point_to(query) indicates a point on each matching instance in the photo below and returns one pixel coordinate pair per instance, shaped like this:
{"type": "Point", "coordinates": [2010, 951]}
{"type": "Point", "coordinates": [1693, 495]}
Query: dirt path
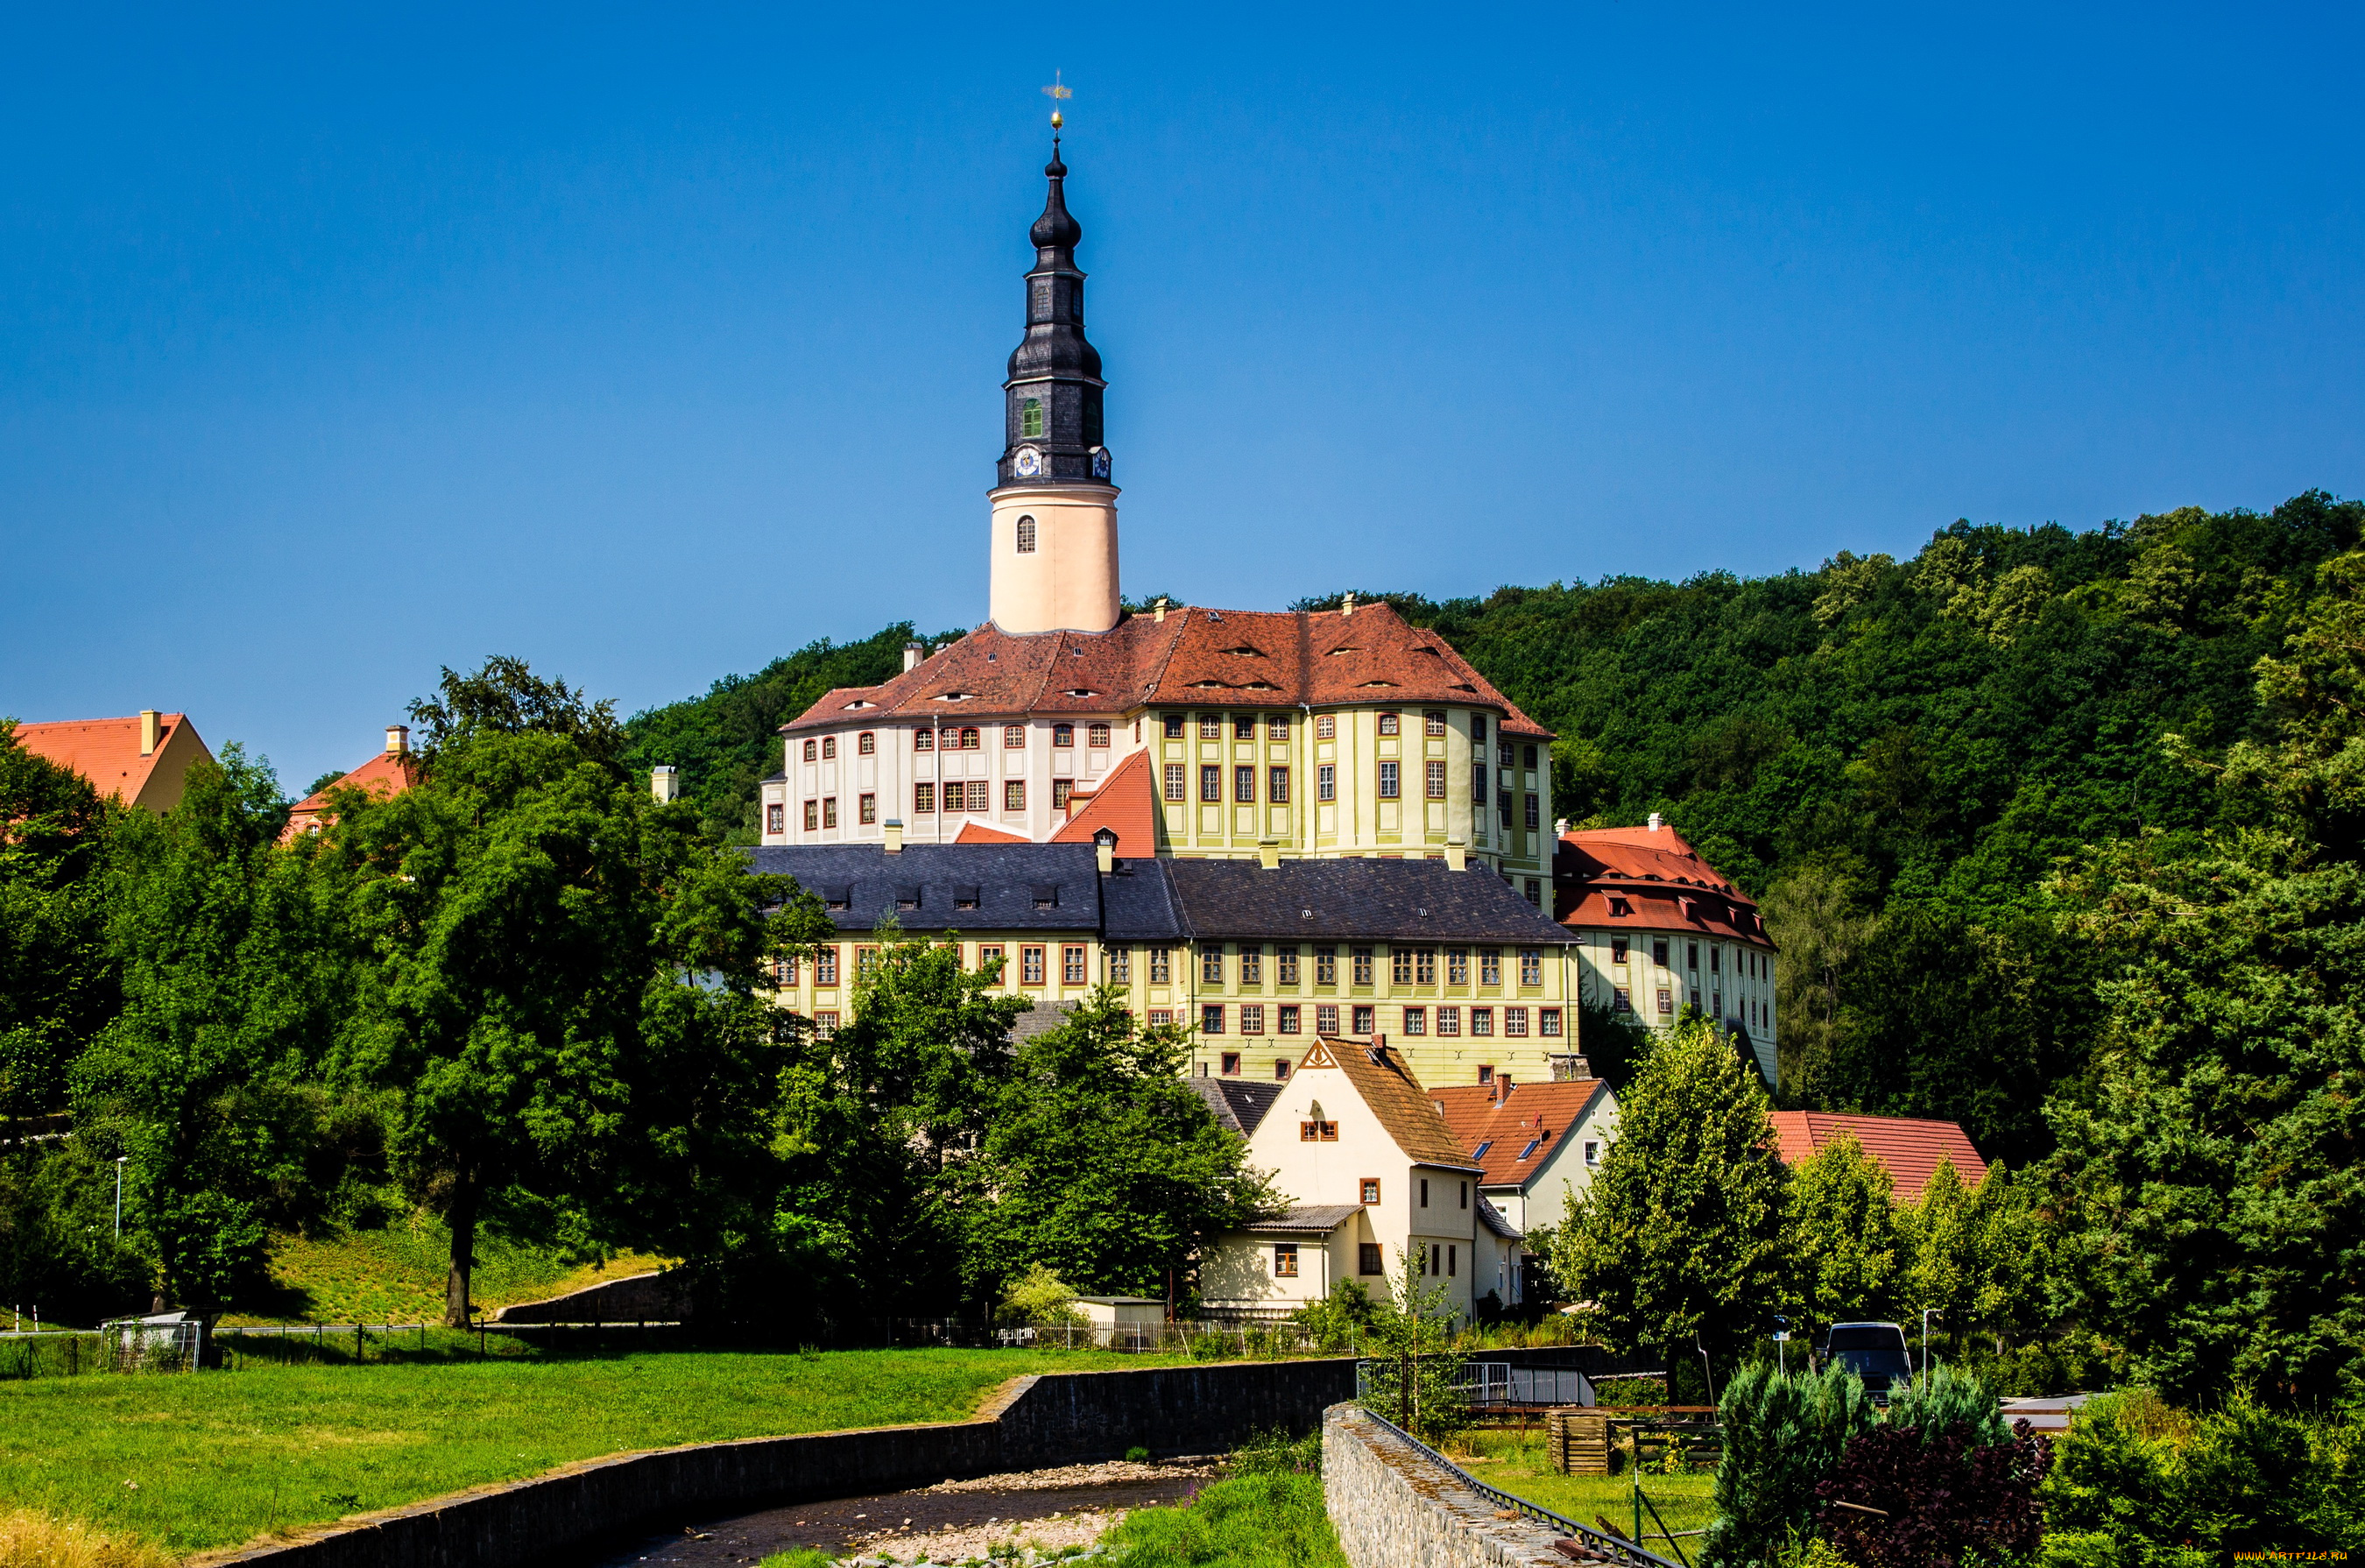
{"type": "Point", "coordinates": [948, 1522]}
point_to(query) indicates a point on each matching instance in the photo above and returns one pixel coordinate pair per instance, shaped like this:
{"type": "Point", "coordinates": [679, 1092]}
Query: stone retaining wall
{"type": "Point", "coordinates": [654, 1297]}
{"type": "Point", "coordinates": [1031, 1423]}
{"type": "Point", "coordinates": [1394, 1508]}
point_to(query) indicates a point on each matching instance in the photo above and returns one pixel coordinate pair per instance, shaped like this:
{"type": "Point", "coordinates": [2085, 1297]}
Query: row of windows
{"type": "Point", "coordinates": [1420, 964]}
{"type": "Point", "coordinates": [1287, 1019]}
{"type": "Point", "coordinates": [1034, 963]}
{"type": "Point", "coordinates": [968, 737]}
{"type": "Point", "coordinates": [1753, 964]}
{"type": "Point", "coordinates": [1368, 1259]}
{"type": "Point", "coordinates": [1753, 1010]}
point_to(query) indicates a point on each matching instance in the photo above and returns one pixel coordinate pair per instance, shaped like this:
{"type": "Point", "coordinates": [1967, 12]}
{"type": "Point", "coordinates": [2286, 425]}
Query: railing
{"type": "Point", "coordinates": [1609, 1548]}
{"type": "Point", "coordinates": [1498, 1385]}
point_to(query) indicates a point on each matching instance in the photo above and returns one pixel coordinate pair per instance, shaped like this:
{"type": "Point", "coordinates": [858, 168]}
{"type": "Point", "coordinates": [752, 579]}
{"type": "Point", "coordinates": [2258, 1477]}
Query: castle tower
{"type": "Point", "coordinates": [1054, 509]}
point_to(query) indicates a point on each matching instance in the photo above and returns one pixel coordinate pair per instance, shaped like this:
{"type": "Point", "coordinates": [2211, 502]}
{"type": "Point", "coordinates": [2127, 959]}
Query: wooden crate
{"type": "Point", "coordinates": [1578, 1441]}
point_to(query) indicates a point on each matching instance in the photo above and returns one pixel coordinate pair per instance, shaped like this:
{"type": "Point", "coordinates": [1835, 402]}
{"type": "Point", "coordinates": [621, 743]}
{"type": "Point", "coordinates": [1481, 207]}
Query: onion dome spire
{"type": "Point", "coordinates": [1052, 395]}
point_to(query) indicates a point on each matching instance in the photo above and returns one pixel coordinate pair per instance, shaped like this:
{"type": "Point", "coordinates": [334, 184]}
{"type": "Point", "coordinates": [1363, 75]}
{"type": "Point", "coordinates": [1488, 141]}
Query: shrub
{"type": "Point", "coordinates": [1275, 1452]}
{"type": "Point", "coordinates": [1947, 1399]}
{"type": "Point", "coordinates": [2138, 1482]}
{"type": "Point", "coordinates": [1782, 1435]}
{"type": "Point", "coordinates": [1341, 1319]}
{"type": "Point", "coordinates": [1901, 1498]}
{"type": "Point", "coordinates": [1247, 1522]}
{"type": "Point", "coordinates": [1039, 1297]}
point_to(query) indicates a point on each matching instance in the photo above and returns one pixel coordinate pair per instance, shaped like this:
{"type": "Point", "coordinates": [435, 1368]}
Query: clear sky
{"type": "Point", "coordinates": [338, 343]}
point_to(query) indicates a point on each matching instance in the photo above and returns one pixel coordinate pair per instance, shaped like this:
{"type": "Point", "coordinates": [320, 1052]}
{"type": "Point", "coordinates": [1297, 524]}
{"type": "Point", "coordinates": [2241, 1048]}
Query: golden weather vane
{"type": "Point", "coordinates": [1055, 92]}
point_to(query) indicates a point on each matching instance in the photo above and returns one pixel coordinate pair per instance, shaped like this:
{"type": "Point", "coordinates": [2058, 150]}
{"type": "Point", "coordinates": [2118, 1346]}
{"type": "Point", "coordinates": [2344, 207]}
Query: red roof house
{"type": "Point", "coordinates": [390, 772]}
{"type": "Point", "coordinates": [1123, 804]}
{"type": "Point", "coordinates": [141, 760]}
{"type": "Point", "coordinates": [1909, 1148]}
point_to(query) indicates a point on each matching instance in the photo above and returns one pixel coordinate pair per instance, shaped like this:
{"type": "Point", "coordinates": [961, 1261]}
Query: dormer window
{"type": "Point", "coordinates": [1047, 896]}
{"type": "Point", "coordinates": [1026, 535]}
{"type": "Point", "coordinates": [964, 897]}
{"type": "Point", "coordinates": [1030, 422]}
{"type": "Point", "coordinates": [838, 898]}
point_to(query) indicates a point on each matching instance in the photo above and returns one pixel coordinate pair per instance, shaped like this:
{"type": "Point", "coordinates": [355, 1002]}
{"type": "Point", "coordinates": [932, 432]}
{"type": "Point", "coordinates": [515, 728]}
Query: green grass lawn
{"type": "Point", "coordinates": [396, 1275]}
{"type": "Point", "coordinates": [211, 1459]}
{"type": "Point", "coordinates": [1519, 1465]}
{"type": "Point", "coordinates": [1249, 1521]}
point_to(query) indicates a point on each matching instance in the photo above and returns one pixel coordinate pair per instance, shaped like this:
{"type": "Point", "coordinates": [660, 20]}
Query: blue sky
{"type": "Point", "coordinates": [338, 347]}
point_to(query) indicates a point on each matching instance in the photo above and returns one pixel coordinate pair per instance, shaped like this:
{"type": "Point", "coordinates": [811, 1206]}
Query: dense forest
{"type": "Point", "coordinates": [1897, 756]}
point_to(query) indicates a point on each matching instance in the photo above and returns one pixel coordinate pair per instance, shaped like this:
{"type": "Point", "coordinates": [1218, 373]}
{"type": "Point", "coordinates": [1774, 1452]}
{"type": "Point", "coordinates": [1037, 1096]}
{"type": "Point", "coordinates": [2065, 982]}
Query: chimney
{"type": "Point", "coordinates": [150, 730]}
{"type": "Point", "coordinates": [1104, 849]}
{"type": "Point", "coordinates": [1268, 854]}
{"type": "Point", "coordinates": [1346, 606]}
{"type": "Point", "coordinates": [1657, 821]}
{"type": "Point", "coordinates": [665, 783]}
{"type": "Point", "coordinates": [894, 830]}
{"type": "Point", "coordinates": [913, 653]}
{"type": "Point", "coordinates": [398, 740]}
{"type": "Point", "coordinates": [1456, 858]}
{"type": "Point", "coordinates": [1560, 827]}
{"type": "Point", "coordinates": [1158, 612]}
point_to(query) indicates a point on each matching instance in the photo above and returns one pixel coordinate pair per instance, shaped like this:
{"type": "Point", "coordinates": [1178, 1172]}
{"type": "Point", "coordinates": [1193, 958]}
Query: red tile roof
{"type": "Point", "coordinates": [1124, 801]}
{"type": "Point", "coordinates": [388, 773]}
{"type": "Point", "coordinates": [1195, 657]}
{"type": "Point", "coordinates": [1534, 1114]}
{"type": "Point", "coordinates": [1648, 879]}
{"type": "Point", "coordinates": [1907, 1149]}
{"type": "Point", "coordinates": [978, 832]}
{"type": "Point", "coordinates": [1406, 1111]}
{"type": "Point", "coordinates": [106, 752]}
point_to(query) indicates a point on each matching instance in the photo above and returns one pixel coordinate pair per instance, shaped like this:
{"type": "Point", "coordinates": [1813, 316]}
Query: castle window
{"type": "Point", "coordinates": [923, 800]}
{"type": "Point", "coordinates": [1253, 1019]}
{"type": "Point", "coordinates": [923, 740]}
{"type": "Point", "coordinates": [828, 748]}
{"type": "Point", "coordinates": [1030, 422]}
{"type": "Point", "coordinates": [978, 791]}
{"type": "Point", "coordinates": [1433, 722]}
{"type": "Point", "coordinates": [1098, 736]}
{"type": "Point", "coordinates": [1162, 965]}
{"type": "Point", "coordinates": [1530, 752]}
{"type": "Point", "coordinates": [1457, 966]}
{"type": "Point", "coordinates": [1437, 781]}
{"type": "Point", "coordinates": [1388, 781]}
{"type": "Point", "coordinates": [1482, 1022]}
{"type": "Point", "coordinates": [810, 749]}
{"type": "Point", "coordinates": [813, 816]}
{"type": "Point", "coordinates": [870, 808]}
{"type": "Point", "coordinates": [1063, 735]}
{"type": "Point", "coordinates": [1173, 780]}
{"type": "Point", "coordinates": [1278, 785]}
{"type": "Point", "coordinates": [1211, 727]}
{"type": "Point", "coordinates": [1062, 792]}
{"type": "Point", "coordinates": [865, 742]}
{"type": "Point", "coordinates": [1030, 966]}
{"type": "Point", "coordinates": [1244, 786]}
{"type": "Point", "coordinates": [1252, 963]}
{"type": "Point", "coordinates": [1072, 964]}
{"type": "Point", "coordinates": [1325, 727]}
{"type": "Point", "coordinates": [1531, 966]}
{"type": "Point", "coordinates": [776, 819]}
{"type": "Point", "coordinates": [1479, 787]}
{"type": "Point", "coordinates": [1326, 969]}
{"type": "Point", "coordinates": [829, 810]}
{"type": "Point", "coordinates": [1477, 730]}
{"type": "Point", "coordinates": [1244, 727]}
{"type": "Point", "coordinates": [1013, 794]}
{"type": "Point", "coordinates": [1287, 1024]}
{"type": "Point", "coordinates": [1278, 728]}
{"type": "Point", "coordinates": [1535, 811]}
{"type": "Point", "coordinates": [1326, 1020]}
{"type": "Point", "coordinates": [1490, 966]}
{"type": "Point", "coordinates": [970, 739]}
{"type": "Point", "coordinates": [1013, 736]}
{"type": "Point", "coordinates": [1211, 965]}
{"type": "Point", "coordinates": [1326, 782]}
{"type": "Point", "coordinates": [1360, 959]}
{"type": "Point", "coordinates": [1391, 723]}
{"type": "Point", "coordinates": [1366, 1020]}
{"type": "Point", "coordinates": [1026, 535]}
{"type": "Point", "coordinates": [1211, 784]}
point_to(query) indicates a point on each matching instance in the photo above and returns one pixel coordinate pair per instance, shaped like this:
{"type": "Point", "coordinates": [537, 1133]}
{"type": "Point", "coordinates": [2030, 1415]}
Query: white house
{"type": "Point", "coordinates": [1370, 1176]}
{"type": "Point", "coordinates": [1538, 1144]}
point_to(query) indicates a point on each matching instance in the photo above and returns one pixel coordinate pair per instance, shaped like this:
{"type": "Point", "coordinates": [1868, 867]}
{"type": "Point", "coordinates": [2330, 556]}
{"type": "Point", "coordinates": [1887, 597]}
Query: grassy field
{"type": "Point", "coordinates": [1519, 1465]}
{"type": "Point", "coordinates": [396, 1275]}
{"type": "Point", "coordinates": [195, 1461]}
{"type": "Point", "coordinates": [1249, 1521]}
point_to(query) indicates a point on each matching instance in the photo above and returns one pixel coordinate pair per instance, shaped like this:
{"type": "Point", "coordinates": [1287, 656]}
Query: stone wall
{"type": "Point", "coordinates": [1394, 1508]}
{"type": "Point", "coordinates": [653, 1297]}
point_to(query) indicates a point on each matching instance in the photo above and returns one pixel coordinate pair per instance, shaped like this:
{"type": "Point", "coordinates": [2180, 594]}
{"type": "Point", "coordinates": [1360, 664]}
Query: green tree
{"type": "Point", "coordinates": [57, 979]}
{"type": "Point", "coordinates": [237, 982]}
{"type": "Point", "coordinates": [557, 994]}
{"type": "Point", "coordinates": [1782, 1434]}
{"type": "Point", "coordinates": [1414, 1376]}
{"type": "Point", "coordinates": [1102, 1163]}
{"type": "Point", "coordinates": [1678, 1240]}
{"type": "Point", "coordinates": [1839, 1231]}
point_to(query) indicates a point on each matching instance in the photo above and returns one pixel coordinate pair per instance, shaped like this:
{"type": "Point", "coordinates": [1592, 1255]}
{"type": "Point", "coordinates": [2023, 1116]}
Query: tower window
{"type": "Point", "coordinates": [1026, 532]}
{"type": "Point", "coordinates": [1030, 422]}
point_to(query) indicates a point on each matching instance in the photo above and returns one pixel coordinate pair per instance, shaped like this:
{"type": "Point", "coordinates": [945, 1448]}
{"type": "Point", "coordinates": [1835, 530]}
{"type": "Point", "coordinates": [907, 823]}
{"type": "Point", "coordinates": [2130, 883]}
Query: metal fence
{"type": "Point", "coordinates": [1492, 1386]}
{"type": "Point", "coordinates": [1606, 1548]}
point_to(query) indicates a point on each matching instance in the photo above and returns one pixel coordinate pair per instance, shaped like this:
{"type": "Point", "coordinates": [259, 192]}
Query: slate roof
{"type": "Point", "coordinates": [1395, 1097]}
{"type": "Point", "coordinates": [1346, 898]}
{"type": "Point", "coordinates": [1535, 1114]}
{"type": "Point", "coordinates": [1240, 1104]}
{"type": "Point", "coordinates": [1648, 879]}
{"type": "Point", "coordinates": [1304, 1219]}
{"type": "Point", "coordinates": [1138, 902]}
{"type": "Point", "coordinates": [1494, 1220]}
{"type": "Point", "coordinates": [1195, 657]}
{"type": "Point", "coordinates": [1132, 904]}
{"type": "Point", "coordinates": [1907, 1147]}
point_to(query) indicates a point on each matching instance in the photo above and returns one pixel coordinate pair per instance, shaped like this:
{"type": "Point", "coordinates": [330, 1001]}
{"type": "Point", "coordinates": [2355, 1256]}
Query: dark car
{"type": "Point", "coordinates": [1875, 1353]}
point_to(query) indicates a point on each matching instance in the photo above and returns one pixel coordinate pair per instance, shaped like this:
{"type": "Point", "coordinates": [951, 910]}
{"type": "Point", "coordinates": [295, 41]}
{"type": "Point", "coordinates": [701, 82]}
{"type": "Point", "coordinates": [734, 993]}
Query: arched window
{"type": "Point", "coordinates": [1026, 536]}
{"type": "Point", "coordinates": [867, 743]}
{"type": "Point", "coordinates": [1030, 417]}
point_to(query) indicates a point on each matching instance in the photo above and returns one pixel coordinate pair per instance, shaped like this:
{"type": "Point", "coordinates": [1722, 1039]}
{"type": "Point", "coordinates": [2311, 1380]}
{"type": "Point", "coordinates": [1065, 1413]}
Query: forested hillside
{"type": "Point", "coordinates": [1897, 756]}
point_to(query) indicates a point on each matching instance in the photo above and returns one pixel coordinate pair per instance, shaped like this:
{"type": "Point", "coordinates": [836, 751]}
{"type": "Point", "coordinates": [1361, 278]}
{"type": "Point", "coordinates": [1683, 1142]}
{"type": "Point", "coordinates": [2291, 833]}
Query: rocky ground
{"type": "Point", "coordinates": [1028, 1514]}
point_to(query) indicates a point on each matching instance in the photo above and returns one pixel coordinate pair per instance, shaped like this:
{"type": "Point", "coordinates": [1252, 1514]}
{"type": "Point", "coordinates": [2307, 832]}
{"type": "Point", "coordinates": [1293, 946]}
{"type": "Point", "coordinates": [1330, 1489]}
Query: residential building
{"type": "Point", "coordinates": [1341, 731]}
{"type": "Point", "coordinates": [1659, 930]}
{"type": "Point", "coordinates": [1371, 1180]}
{"type": "Point", "coordinates": [390, 772]}
{"type": "Point", "coordinates": [1538, 1144]}
{"type": "Point", "coordinates": [1910, 1148]}
{"type": "Point", "coordinates": [143, 760]}
{"type": "Point", "coordinates": [1254, 958]}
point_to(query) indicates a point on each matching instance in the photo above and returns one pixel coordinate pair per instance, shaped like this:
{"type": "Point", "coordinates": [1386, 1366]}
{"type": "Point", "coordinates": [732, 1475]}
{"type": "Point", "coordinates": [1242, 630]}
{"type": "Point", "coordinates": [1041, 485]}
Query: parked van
{"type": "Point", "coordinates": [1875, 1353]}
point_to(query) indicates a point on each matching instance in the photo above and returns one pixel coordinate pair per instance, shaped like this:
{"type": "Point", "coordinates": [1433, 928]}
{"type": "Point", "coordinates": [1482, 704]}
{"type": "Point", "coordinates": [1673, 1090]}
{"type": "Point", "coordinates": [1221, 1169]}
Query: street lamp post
{"type": "Point", "coordinates": [119, 1197]}
{"type": "Point", "coordinates": [1927, 1314]}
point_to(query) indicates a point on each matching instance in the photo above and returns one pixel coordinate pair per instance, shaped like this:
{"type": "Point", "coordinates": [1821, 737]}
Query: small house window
{"type": "Point", "coordinates": [1371, 1191]}
{"type": "Point", "coordinates": [1482, 1021]}
{"type": "Point", "coordinates": [1062, 792]}
{"type": "Point", "coordinates": [1326, 1020]}
{"type": "Point", "coordinates": [1244, 786]}
{"type": "Point", "coordinates": [1211, 784]}
{"type": "Point", "coordinates": [1211, 1022]}
{"type": "Point", "coordinates": [1286, 1023]}
{"type": "Point", "coordinates": [1162, 965]}
{"type": "Point", "coordinates": [1437, 781]}
{"type": "Point", "coordinates": [1013, 736]}
{"type": "Point", "coordinates": [829, 810]}
{"type": "Point", "coordinates": [1315, 1132]}
{"type": "Point", "coordinates": [1071, 964]}
{"type": "Point", "coordinates": [1368, 1258]}
{"type": "Point", "coordinates": [1415, 1020]}
{"type": "Point", "coordinates": [870, 808]}
{"type": "Point", "coordinates": [1030, 966]}
{"type": "Point", "coordinates": [1278, 728]}
{"type": "Point", "coordinates": [812, 815]}
{"type": "Point", "coordinates": [1252, 1018]}
{"type": "Point", "coordinates": [1366, 1020]}
{"type": "Point", "coordinates": [1244, 727]}
{"type": "Point", "coordinates": [1284, 1260]}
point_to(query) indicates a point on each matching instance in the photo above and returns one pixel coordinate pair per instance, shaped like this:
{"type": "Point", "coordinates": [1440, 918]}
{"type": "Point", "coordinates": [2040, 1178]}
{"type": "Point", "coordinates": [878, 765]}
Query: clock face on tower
{"type": "Point", "coordinates": [1100, 462]}
{"type": "Point", "coordinates": [1028, 464]}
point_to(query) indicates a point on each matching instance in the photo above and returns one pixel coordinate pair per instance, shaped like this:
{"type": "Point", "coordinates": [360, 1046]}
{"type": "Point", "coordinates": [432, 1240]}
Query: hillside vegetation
{"type": "Point", "coordinates": [1896, 755]}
